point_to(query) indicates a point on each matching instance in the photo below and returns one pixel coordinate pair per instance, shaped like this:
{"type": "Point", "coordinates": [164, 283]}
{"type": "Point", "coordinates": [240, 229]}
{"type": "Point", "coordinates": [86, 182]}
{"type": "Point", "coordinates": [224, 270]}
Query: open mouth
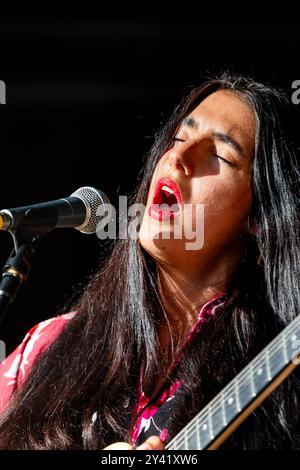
{"type": "Point", "coordinates": [167, 200]}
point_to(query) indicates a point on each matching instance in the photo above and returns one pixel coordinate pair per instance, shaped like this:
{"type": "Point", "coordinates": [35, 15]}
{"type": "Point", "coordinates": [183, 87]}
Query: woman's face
{"type": "Point", "coordinates": [205, 176]}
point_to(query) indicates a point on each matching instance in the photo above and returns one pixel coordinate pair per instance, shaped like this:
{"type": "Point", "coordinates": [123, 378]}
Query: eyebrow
{"type": "Point", "coordinates": [221, 136]}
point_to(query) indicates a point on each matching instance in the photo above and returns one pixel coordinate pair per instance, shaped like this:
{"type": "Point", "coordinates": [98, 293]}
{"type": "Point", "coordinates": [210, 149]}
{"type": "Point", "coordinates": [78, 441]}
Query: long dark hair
{"type": "Point", "coordinates": [94, 364]}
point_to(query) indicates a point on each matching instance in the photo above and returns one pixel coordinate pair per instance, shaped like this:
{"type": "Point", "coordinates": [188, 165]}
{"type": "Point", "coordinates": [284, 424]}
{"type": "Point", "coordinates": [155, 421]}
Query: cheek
{"type": "Point", "coordinates": [225, 201]}
{"type": "Point", "coordinates": [243, 202]}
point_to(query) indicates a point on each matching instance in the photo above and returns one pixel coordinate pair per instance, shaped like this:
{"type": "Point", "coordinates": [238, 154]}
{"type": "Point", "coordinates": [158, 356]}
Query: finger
{"type": "Point", "coordinates": [152, 443]}
{"type": "Point", "coordinates": [118, 446]}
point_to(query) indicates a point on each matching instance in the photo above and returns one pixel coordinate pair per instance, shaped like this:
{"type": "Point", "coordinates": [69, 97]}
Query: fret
{"type": "Point", "coordinates": [291, 343]}
{"type": "Point", "coordinates": [245, 386]}
{"type": "Point", "coordinates": [198, 441]}
{"type": "Point", "coordinates": [293, 338]}
{"type": "Point", "coordinates": [237, 396]}
{"type": "Point", "coordinates": [253, 389]}
{"type": "Point", "coordinates": [278, 358]}
{"type": "Point", "coordinates": [284, 349]}
{"type": "Point", "coordinates": [223, 410]}
{"type": "Point", "coordinates": [229, 406]}
{"type": "Point", "coordinates": [192, 441]}
{"type": "Point", "coordinates": [210, 424]}
{"type": "Point", "coordinates": [218, 416]}
{"type": "Point", "coordinates": [267, 360]}
{"type": "Point", "coordinates": [186, 445]}
{"type": "Point", "coordinates": [295, 347]}
{"type": "Point", "coordinates": [175, 443]}
{"type": "Point", "coordinates": [295, 343]}
{"type": "Point", "coordinates": [203, 432]}
{"type": "Point", "coordinates": [260, 376]}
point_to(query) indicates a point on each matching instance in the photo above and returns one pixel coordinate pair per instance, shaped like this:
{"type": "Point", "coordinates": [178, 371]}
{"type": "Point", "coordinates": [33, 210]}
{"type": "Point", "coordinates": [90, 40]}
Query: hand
{"type": "Point", "coordinates": [152, 443]}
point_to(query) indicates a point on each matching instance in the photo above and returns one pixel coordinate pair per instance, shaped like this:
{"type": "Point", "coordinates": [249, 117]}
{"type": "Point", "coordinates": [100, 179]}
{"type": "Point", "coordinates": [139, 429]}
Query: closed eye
{"type": "Point", "coordinates": [177, 139]}
{"type": "Point", "coordinates": [224, 159]}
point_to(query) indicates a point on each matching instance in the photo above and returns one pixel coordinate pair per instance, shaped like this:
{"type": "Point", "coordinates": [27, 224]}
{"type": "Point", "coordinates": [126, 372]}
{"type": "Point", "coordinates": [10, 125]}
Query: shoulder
{"type": "Point", "coordinates": [15, 368]}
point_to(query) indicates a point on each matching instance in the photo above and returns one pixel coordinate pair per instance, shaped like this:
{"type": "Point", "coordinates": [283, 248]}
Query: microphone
{"type": "Point", "coordinates": [80, 211]}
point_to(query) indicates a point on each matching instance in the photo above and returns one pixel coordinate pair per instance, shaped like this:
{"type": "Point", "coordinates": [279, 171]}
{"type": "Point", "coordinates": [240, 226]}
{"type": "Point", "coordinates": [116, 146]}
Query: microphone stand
{"type": "Point", "coordinates": [17, 268]}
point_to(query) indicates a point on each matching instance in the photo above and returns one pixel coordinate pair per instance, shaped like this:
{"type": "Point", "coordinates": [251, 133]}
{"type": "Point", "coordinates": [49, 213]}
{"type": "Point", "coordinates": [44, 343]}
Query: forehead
{"type": "Point", "coordinates": [225, 111]}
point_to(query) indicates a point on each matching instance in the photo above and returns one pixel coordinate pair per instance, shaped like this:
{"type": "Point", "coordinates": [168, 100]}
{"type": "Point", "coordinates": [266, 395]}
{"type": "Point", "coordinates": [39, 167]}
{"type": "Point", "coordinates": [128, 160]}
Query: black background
{"type": "Point", "coordinates": [86, 91]}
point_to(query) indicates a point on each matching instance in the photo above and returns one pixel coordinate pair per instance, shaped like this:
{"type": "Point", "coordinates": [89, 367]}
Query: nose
{"type": "Point", "coordinates": [184, 157]}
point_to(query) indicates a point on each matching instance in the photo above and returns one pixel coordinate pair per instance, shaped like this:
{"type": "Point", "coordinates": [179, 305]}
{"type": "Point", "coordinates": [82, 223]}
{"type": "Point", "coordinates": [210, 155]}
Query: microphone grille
{"type": "Point", "coordinates": [92, 199]}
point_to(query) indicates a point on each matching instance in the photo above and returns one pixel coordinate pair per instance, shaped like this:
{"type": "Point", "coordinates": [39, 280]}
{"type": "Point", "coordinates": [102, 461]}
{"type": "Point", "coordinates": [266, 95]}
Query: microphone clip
{"type": "Point", "coordinates": [17, 268]}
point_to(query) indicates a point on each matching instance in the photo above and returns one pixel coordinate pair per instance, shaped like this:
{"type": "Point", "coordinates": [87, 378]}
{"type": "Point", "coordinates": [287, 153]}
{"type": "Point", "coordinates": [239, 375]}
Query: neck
{"type": "Point", "coordinates": [183, 294]}
{"type": "Point", "coordinates": [182, 297]}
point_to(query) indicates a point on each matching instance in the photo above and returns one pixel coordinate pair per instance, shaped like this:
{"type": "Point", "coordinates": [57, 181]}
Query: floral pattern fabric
{"type": "Point", "coordinates": [151, 418]}
{"type": "Point", "coordinates": [15, 368]}
{"type": "Point", "coordinates": [154, 417]}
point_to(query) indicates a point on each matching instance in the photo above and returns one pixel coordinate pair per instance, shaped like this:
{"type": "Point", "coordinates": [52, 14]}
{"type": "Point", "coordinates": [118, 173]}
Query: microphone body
{"type": "Point", "coordinates": [78, 211]}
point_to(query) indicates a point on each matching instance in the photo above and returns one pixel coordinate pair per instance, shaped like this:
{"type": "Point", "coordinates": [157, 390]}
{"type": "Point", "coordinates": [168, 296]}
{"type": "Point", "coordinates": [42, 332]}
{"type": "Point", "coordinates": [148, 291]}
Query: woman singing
{"type": "Point", "coordinates": [169, 320]}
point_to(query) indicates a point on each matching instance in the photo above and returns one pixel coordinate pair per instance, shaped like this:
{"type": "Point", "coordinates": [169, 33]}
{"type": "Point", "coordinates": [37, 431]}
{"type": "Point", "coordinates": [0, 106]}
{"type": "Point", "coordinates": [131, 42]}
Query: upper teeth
{"type": "Point", "coordinates": [166, 188]}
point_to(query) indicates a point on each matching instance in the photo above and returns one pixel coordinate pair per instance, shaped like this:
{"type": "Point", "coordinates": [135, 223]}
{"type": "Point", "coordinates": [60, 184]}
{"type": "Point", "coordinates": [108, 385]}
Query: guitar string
{"type": "Point", "coordinates": [215, 411]}
{"type": "Point", "coordinates": [239, 380]}
{"type": "Point", "coordinates": [211, 406]}
{"type": "Point", "coordinates": [206, 411]}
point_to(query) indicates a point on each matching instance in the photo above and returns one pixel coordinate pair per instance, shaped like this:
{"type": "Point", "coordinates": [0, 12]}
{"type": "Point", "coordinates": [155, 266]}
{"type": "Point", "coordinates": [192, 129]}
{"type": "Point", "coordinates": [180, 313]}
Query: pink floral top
{"type": "Point", "coordinates": [15, 368]}
{"type": "Point", "coordinates": [146, 418]}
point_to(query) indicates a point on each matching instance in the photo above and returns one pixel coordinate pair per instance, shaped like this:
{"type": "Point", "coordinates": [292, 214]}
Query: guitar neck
{"type": "Point", "coordinates": [211, 427]}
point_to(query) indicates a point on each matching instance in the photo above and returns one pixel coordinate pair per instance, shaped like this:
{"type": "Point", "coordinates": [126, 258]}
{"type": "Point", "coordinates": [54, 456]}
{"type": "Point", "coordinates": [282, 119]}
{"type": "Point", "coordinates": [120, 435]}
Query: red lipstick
{"type": "Point", "coordinates": [167, 200]}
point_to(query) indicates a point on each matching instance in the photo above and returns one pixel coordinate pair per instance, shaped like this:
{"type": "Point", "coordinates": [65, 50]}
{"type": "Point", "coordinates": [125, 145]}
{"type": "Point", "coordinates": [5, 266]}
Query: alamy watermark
{"type": "Point", "coordinates": [186, 224]}
{"type": "Point", "coordinates": [2, 350]}
{"type": "Point", "coordinates": [2, 92]}
{"type": "Point", "coordinates": [296, 93]}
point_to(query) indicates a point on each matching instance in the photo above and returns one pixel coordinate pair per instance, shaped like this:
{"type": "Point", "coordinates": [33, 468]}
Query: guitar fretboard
{"type": "Point", "coordinates": [238, 395]}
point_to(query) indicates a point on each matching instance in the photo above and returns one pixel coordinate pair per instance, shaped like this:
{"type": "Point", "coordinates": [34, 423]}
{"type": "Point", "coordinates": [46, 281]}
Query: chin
{"type": "Point", "coordinates": [163, 250]}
